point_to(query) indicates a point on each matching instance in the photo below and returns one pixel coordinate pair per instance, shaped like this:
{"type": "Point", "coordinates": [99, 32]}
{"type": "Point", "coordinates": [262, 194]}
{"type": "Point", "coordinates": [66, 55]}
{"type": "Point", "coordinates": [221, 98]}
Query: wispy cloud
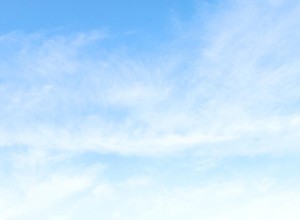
{"type": "Point", "coordinates": [237, 80]}
{"type": "Point", "coordinates": [225, 85]}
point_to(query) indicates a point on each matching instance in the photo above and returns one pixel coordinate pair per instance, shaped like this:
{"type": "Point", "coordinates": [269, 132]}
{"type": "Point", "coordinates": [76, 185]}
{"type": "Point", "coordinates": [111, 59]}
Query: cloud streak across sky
{"type": "Point", "coordinates": [207, 120]}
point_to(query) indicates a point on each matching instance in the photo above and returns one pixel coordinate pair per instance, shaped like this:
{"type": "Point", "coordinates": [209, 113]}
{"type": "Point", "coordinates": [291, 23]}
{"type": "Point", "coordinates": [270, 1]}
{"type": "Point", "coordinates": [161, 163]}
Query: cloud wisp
{"type": "Point", "coordinates": [76, 112]}
{"type": "Point", "coordinates": [238, 80]}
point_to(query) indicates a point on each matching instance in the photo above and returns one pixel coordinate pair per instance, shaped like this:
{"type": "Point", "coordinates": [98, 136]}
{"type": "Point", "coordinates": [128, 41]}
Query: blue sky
{"type": "Point", "coordinates": [140, 19]}
{"type": "Point", "coordinates": [149, 110]}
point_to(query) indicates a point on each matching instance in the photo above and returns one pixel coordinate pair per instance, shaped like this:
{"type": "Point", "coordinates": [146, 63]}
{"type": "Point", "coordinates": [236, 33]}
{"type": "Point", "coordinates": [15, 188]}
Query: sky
{"type": "Point", "coordinates": [137, 110]}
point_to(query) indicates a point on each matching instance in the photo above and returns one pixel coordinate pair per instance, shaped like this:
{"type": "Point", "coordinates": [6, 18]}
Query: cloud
{"type": "Point", "coordinates": [204, 126]}
{"type": "Point", "coordinates": [234, 199]}
{"type": "Point", "coordinates": [235, 81]}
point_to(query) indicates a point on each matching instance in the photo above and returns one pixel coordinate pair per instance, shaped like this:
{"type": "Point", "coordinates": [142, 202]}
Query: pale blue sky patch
{"type": "Point", "coordinates": [149, 110]}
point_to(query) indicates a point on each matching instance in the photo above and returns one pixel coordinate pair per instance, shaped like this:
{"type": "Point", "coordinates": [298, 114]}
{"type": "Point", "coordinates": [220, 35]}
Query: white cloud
{"type": "Point", "coordinates": [227, 86]}
{"type": "Point", "coordinates": [237, 80]}
{"type": "Point", "coordinates": [225, 200]}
